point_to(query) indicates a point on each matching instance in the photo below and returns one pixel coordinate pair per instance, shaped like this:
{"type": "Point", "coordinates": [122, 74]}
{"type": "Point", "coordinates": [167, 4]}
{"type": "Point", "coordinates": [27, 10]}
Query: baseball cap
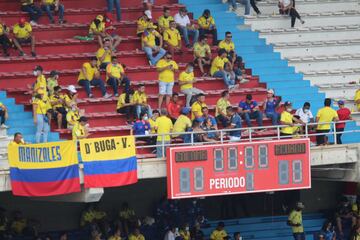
{"type": "Point", "coordinates": [38, 68]}
{"type": "Point", "coordinates": [287, 103]}
{"type": "Point", "coordinates": [54, 73]}
{"type": "Point", "coordinates": [100, 17]}
{"type": "Point", "coordinates": [148, 14]}
{"type": "Point", "coordinates": [341, 102]}
{"type": "Point", "coordinates": [22, 20]}
{"type": "Point", "coordinates": [185, 110]}
{"type": "Point", "coordinates": [300, 205]}
{"type": "Point", "coordinates": [72, 88]}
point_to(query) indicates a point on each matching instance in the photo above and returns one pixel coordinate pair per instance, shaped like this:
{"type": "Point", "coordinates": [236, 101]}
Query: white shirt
{"type": "Point", "coordinates": [169, 236]}
{"type": "Point", "coordinates": [305, 117]}
{"type": "Point", "coordinates": [285, 2]}
{"type": "Point", "coordinates": [183, 21]}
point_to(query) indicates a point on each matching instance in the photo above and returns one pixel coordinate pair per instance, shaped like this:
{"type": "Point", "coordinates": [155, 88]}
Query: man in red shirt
{"type": "Point", "coordinates": [174, 107]}
{"type": "Point", "coordinates": [344, 114]}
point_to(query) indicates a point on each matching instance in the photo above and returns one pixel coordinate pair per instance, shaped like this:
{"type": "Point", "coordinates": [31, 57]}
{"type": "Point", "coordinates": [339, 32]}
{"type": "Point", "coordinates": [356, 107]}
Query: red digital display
{"type": "Point", "coordinates": [234, 168]}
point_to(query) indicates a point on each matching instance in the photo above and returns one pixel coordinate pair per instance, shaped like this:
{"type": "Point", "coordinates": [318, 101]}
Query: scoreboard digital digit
{"type": "Point", "coordinates": [234, 168]}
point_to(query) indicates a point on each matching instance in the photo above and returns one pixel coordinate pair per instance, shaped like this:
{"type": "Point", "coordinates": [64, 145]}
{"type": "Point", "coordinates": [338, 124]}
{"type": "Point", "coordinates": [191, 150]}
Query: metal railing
{"type": "Point", "coordinates": [248, 134]}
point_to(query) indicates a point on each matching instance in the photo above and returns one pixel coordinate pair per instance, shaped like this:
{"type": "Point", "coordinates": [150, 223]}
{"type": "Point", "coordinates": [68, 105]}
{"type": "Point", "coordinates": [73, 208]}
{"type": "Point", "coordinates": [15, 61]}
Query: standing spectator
{"type": "Point", "coordinates": [186, 81]}
{"type": "Point", "coordinates": [186, 29]}
{"type": "Point", "coordinates": [327, 231]}
{"type": "Point", "coordinates": [110, 8]}
{"type": "Point", "coordinates": [234, 123]}
{"type": "Point", "coordinates": [295, 221]}
{"type": "Point", "coordinates": [207, 26]}
{"type": "Point", "coordinates": [40, 83]}
{"type": "Point", "coordinates": [4, 38]}
{"type": "Point", "coordinates": [57, 101]}
{"type": "Point", "coordinates": [150, 47]}
{"type": "Point", "coordinates": [172, 39]}
{"type": "Point", "coordinates": [220, 110]}
{"type": "Point", "coordinates": [166, 68]}
{"type": "Point", "coordinates": [80, 130]}
{"type": "Point", "coordinates": [305, 113]}
{"type": "Point", "coordinates": [52, 81]}
{"type": "Point", "coordinates": [219, 233]}
{"type": "Point", "coordinates": [111, 33]}
{"type": "Point", "coordinates": [344, 114]}
{"type": "Point", "coordinates": [140, 101]}
{"type": "Point", "coordinates": [163, 125]}
{"type": "Point", "coordinates": [97, 29]}
{"type": "Point", "coordinates": [57, 7]}
{"type": "Point", "coordinates": [136, 235]}
{"type": "Point", "coordinates": [41, 106]}
{"type": "Point", "coordinates": [323, 117]}
{"type": "Point", "coordinates": [250, 110]}
{"type": "Point", "coordinates": [143, 23]}
{"type": "Point", "coordinates": [287, 7]}
{"type": "Point", "coordinates": [196, 232]}
{"type": "Point", "coordinates": [174, 107]}
{"type": "Point", "coordinates": [33, 10]}
{"type": "Point", "coordinates": [357, 99]}
{"type": "Point", "coordinates": [4, 115]}
{"type": "Point", "coordinates": [127, 215]}
{"type": "Point", "coordinates": [104, 54]}
{"type": "Point", "coordinates": [202, 54]}
{"type": "Point", "coordinates": [286, 118]}
{"type": "Point", "coordinates": [218, 68]}
{"type": "Point", "coordinates": [90, 76]}
{"type": "Point", "coordinates": [270, 106]}
{"type": "Point", "coordinates": [196, 107]}
{"type": "Point", "coordinates": [72, 116]}
{"type": "Point", "coordinates": [170, 234]}
{"type": "Point", "coordinates": [126, 105]}
{"type": "Point", "coordinates": [115, 76]}
{"type": "Point", "coordinates": [185, 232]}
{"type": "Point", "coordinates": [164, 20]}
{"type": "Point", "coordinates": [23, 34]}
{"type": "Point", "coordinates": [183, 124]}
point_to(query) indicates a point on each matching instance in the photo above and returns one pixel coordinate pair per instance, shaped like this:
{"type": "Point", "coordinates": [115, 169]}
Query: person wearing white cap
{"type": "Point", "coordinates": [295, 221]}
{"type": "Point", "coordinates": [184, 25]}
{"type": "Point", "coordinates": [270, 105]}
{"type": "Point", "coordinates": [70, 96]}
{"type": "Point", "coordinates": [148, 4]}
{"type": "Point", "coordinates": [143, 22]}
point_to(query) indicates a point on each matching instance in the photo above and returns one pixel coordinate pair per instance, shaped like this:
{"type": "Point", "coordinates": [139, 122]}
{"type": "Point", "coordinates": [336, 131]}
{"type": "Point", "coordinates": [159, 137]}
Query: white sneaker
{"type": "Point", "coordinates": [107, 95]}
{"type": "Point", "coordinates": [244, 81]}
{"type": "Point", "coordinates": [249, 16]}
{"type": "Point", "coordinates": [33, 23]}
{"type": "Point", "coordinates": [4, 126]}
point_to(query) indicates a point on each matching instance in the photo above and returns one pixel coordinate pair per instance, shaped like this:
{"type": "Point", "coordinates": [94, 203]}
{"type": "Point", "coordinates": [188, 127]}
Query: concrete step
{"type": "Point", "coordinates": [334, 76]}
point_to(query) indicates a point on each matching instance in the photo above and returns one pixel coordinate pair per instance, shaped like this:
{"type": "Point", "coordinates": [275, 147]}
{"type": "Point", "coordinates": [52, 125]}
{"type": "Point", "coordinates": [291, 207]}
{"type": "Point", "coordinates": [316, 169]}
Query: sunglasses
{"type": "Point", "coordinates": [228, 36]}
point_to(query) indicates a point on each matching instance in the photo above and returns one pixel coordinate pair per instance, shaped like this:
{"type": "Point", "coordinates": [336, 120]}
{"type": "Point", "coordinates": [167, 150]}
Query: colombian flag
{"type": "Point", "coordinates": [45, 169]}
{"type": "Point", "coordinates": [109, 162]}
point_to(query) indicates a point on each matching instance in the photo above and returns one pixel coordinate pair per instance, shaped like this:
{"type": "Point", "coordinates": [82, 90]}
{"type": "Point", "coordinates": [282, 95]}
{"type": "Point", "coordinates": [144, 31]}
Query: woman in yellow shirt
{"type": "Point", "coordinates": [97, 28]}
{"type": "Point", "coordinates": [207, 26]}
{"type": "Point", "coordinates": [41, 106]}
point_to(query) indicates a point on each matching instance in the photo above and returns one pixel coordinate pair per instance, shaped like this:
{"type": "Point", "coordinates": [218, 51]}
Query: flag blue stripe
{"type": "Point", "coordinates": [110, 166]}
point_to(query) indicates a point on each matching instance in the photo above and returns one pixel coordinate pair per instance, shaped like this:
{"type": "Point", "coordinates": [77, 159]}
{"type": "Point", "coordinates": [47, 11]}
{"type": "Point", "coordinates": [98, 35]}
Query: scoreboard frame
{"type": "Point", "coordinates": [269, 158]}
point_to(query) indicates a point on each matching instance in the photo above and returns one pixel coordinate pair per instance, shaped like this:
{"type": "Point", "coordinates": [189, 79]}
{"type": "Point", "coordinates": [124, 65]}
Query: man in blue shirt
{"type": "Point", "coordinates": [141, 126]}
{"type": "Point", "coordinates": [250, 110]}
{"type": "Point", "coordinates": [235, 122]}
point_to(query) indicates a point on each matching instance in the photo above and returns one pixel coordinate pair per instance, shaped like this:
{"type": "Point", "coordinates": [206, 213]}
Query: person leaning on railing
{"type": "Point", "coordinates": [324, 116]}
{"type": "Point", "coordinates": [290, 120]}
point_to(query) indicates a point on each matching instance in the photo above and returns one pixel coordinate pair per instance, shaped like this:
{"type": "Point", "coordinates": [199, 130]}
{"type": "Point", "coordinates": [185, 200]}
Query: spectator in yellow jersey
{"type": "Point", "coordinates": [229, 46]}
{"type": "Point", "coordinates": [41, 106]}
{"type": "Point", "coordinates": [23, 34]}
{"type": "Point", "coordinates": [218, 69]}
{"type": "Point", "coordinates": [40, 83]}
{"type": "Point", "coordinates": [148, 4]}
{"type": "Point", "coordinates": [149, 44]}
{"type": "Point", "coordinates": [286, 118]}
{"type": "Point", "coordinates": [18, 140]}
{"type": "Point", "coordinates": [57, 101]}
{"type": "Point", "coordinates": [104, 54]}
{"type": "Point", "coordinates": [90, 76]}
{"type": "Point", "coordinates": [163, 126]}
{"type": "Point", "coordinates": [172, 39]}
{"type": "Point", "coordinates": [136, 235]}
{"type": "Point", "coordinates": [88, 215]}
{"type": "Point", "coordinates": [97, 29]}
{"type": "Point", "coordinates": [5, 38]}
{"type": "Point", "coordinates": [52, 81]}
{"type": "Point", "coordinates": [356, 233]}
{"type": "Point", "coordinates": [202, 54]}
{"type": "Point", "coordinates": [115, 76]}
{"type": "Point", "coordinates": [183, 124]}
{"type": "Point", "coordinates": [80, 130]}
{"type": "Point", "coordinates": [295, 221]}
{"type": "Point", "coordinates": [72, 116]}
{"type": "Point", "coordinates": [126, 105]}
{"type": "Point", "coordinates": [221, 106]}
{"type": "Point", "coordinates": [186, 81]}
{"type": "Point", "coordinates": [70, 96]}
{"type": "Point", "coordinates": [196, 108]}
{"type": "Point", "coordinates": [166, 68]}
{"type": "Point", "coordinates": [18, 224]}
{"type": "Point", "coordinates": [116, 235]}
{"type": "Point", "coordinates": [219, 233]}
{"type": "Point", "coordinates": [33, 10]}
{"type": "Point", "coordinates": [140, 100]}
{"type": "Point", "coordinates": [207, 26]}
{"type": "Point", "coordinates": [164, 20]}
{"type": "Point", "coordinates": [127, 216]}
{"type": "Point", "coordinates": [144, 22]}
{"type": "Point", "coordinates": [152, 121]}
{"type": "Point", "coordinates": [357, 99]}
{"type": "Point", "coordinates": [185, 232]}
{"type": "Point", "coordinates": [53, 5]}
{"type": "Point", "coordinates": [324, 116]}
{"type": "Point", "coordinates": [185, 27]}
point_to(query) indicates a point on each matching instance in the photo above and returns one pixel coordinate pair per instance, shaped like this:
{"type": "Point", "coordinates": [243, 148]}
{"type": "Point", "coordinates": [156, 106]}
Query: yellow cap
{"type": "Point", "coordinates": [100, 17]}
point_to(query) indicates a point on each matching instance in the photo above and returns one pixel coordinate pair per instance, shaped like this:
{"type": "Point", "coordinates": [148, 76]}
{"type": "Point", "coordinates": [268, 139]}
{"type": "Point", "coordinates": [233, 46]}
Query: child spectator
{"type": "Point", "coordinates": [219, 233]}
{"type": "Point", "coordinates": [72, 116]}
{"type": "Point", "coordinates": [344, 114]}
{"type": "Point", "coordinates": [196, 108]}
{"type": "Point", "coordinates": [183, 124]}
{"type": "Point", "coordinates": [185, 27]}
{"type": "Point", "coordinates": [164, 20]}
{"type": "Point", "coordinates": [52, 81]}
{"type": "Point", "coordinates": [209, 126]}
{"type": "Point", "coordinates": [140, 100]}
{"type": "Point", "coordinates": [57, 101]}
{"type": "Point", "coordinates": [357, 99]}
{"type": "Point", "coordinates": [323, 117]}
{"type": "Point", "coordinates": [97, 29]}
{"type": "Point", "coordinates": [23, 34]}
{"type": "Point", "coordinates": [110, 7]}
{"type": "Point", "coordinates": [207, 26]}
{"type": "Point", "coordinates": [104, 54]}
{"type": "Point", "coordinates": [202, 54]}
{"type": "Point", "coordinates": [234, 123]}
{"type": "Point", "coordinates": [217, 68]}
{"type": "Point", "coordinates": [328, 231]}
{"type": "Point", "coordinates": [111, 33]}
{"type": "Point", "coordinates": [163, 126]}
{"type": "Point", "coordinates": [33, 10]}
{"type": "Point", "coordinates": [166, 68]}
{"type": "Point", "coordinates": [149, 44]}
{"type": "Point", "coordinates": [174, 107]}
{"type": "Point", "coordinates": [172, 39]}
{"type": "Point", "coordinates": [90, 76]}
{"type": "Point", "coordinates": [221, 106]}
{"type": "Point", "coordinates": [53, 5]}
{"type": "Point", "coordinates": [186, 81]}
{"type": "Point", "coordinates": [41, 107]}
{"type": "Point", "coordinates": [115, 76]}
{"type": "Point", "coordinates": [250, 110]}
{"type": "Point", "coordinates": [152, 121]}
{"type": "Point", "coordinates": [80, 130]}
{"type": "Point", "coordinates": [141, 126]}
{"type": "Point", "coordinates": [4, 115]}
{"type": "Point", "coordinates": [144, 22]}
{"type": "Point", "coordinates": [40, 83]}
{"type": "Point", "coordinates": [4, 38]}
{"type": "Point", "coordinates": [286, 118]}
{"type": "Point", "coordinates": [270, 106]}
{"type": "Point", "coordinates": [136, 235]}
{"type": "Point", "coordinates": [207, 116]}
{"type": "Point", "coordinates": [126, 105]}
